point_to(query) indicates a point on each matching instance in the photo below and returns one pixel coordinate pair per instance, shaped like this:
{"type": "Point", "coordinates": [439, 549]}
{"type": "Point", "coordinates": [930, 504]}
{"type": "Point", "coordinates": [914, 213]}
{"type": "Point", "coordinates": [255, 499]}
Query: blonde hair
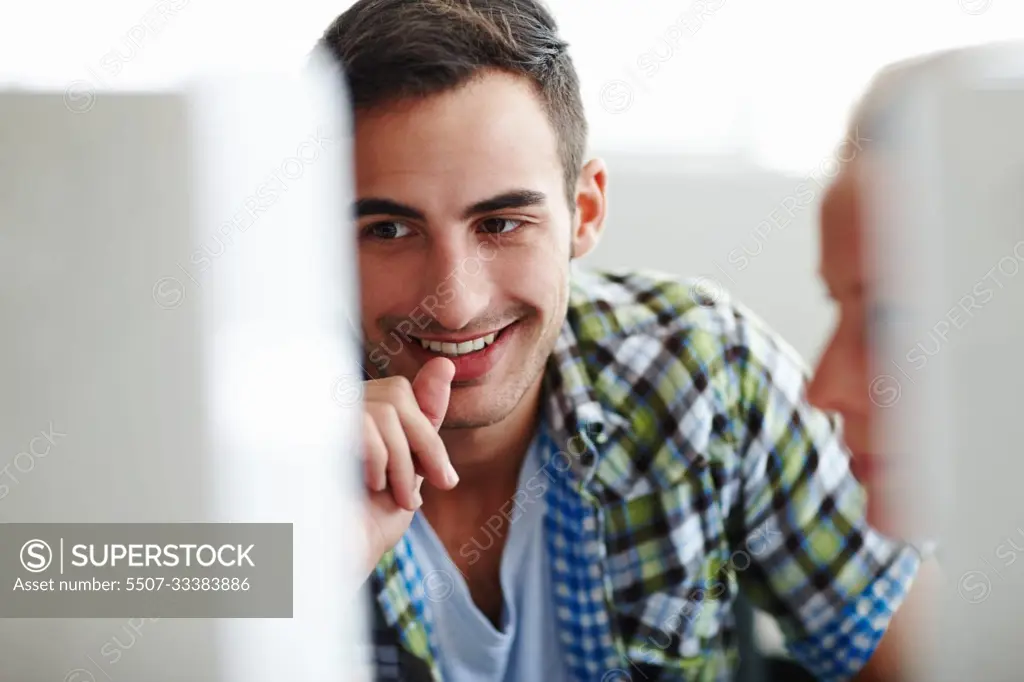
{"type": "Point", "coordinates": [891, 79]}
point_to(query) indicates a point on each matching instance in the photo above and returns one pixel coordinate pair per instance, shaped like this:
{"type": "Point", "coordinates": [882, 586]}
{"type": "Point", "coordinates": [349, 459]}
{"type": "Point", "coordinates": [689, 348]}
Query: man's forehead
{"type": "Point", "coordinates": [841, 233]}
{"type": "Point", "coordinates": [841, 203]}
{"type": "Point", "coordinates": [493, 114]}
{"type": "Point", "coordinates": [459, 147]}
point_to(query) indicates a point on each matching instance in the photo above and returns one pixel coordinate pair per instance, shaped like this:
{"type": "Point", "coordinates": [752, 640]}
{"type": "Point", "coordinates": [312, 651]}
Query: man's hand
{"type": "Point", "coordinates": [401, 446]}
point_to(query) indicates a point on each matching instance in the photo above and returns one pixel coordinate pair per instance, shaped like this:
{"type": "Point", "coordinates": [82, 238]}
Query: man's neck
{"type": "Point", "coordinates": [472, 521]}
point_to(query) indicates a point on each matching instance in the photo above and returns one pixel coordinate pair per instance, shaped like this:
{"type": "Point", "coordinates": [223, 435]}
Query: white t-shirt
{"type": "Point", "coordinates": [527, 646]}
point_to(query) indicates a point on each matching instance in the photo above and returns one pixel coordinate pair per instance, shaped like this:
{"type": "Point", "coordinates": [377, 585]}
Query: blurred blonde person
{"type": "Point", "coordinates": [842, 378]}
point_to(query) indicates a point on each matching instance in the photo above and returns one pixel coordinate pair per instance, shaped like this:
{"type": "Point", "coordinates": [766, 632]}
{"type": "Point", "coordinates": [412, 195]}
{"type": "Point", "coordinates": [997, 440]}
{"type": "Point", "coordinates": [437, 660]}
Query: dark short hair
{"type": "Point", "coordinates": [392, 50]}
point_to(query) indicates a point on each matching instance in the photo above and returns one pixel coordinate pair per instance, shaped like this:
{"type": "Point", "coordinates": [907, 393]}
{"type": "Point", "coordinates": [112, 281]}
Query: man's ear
{"type": "Point", "coordinates": [591, 205]}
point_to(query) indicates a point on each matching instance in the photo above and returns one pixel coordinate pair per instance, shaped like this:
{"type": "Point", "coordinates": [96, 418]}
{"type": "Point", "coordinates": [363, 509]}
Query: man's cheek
{"type": "Point", "coordinates": [878, 516]}
{"type": "Point", "coordinates": [543, 278]}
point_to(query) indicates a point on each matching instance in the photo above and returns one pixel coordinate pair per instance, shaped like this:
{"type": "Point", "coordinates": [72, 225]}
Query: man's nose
{"type": "Point", "coordinates": [460, 284]}
{"type": "Point", "coordinates": [835, 385]}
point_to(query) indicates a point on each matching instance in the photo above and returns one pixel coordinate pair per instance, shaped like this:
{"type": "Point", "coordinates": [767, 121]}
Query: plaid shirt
{"type": "Point", "coordinates": [685, 464]}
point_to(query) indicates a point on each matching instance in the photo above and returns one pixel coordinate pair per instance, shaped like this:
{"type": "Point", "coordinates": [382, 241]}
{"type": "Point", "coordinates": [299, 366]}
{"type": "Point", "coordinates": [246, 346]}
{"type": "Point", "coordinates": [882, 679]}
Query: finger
{"type": "Point", "coordinates": [384, 502]}
{"type": "Point", "coordinates": [433, 389]}
{"type": "Point", "coordinates": [375, 455]}
{"type": "Point", "coordinates": [384, 523]}
{"type": "Point", "coordinates": [400, 473]}
{"type": "Point", "coordinates": [430, 457]}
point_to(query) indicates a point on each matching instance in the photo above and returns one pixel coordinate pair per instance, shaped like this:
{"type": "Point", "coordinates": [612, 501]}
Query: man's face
{"type": "Point", "coordinates": [843, 376]}
{"type": "Point", "coordinates": [464, 241]}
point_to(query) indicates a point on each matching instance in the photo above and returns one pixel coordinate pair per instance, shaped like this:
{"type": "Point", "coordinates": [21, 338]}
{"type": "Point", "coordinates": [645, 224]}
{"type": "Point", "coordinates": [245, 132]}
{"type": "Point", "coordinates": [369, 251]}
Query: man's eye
{"type": "Point", "coordinates": [887, 320]}
{"type": "Point", "coordinates": [499, 225]}
{"type": "Point", "coordinates": [885, 316]}
{"type": "Point", "coordinates": [387, 230]}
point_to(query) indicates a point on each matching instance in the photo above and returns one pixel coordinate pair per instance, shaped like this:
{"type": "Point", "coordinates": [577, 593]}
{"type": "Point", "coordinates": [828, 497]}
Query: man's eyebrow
{"type": "Point", "coordinates": [377, 206]}
{"type": "Point", "coordinates": [519, 198]}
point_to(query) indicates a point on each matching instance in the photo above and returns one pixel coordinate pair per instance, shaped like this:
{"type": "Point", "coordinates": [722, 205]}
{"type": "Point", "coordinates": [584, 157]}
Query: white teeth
{"type": "Point", "coordinates": [458, 348]}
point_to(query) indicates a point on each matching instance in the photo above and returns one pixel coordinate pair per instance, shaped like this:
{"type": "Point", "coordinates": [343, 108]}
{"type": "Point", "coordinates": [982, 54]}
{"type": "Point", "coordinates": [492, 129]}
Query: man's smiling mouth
{"type": "Point", "coordinates": [455, 348]}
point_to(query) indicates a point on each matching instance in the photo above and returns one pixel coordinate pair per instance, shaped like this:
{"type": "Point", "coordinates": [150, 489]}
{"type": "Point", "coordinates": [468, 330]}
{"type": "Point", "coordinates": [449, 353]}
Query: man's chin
{"type": "Point", "coordinates": [470, 421]}
{"type": "Point", "coordinates": [475, 405]}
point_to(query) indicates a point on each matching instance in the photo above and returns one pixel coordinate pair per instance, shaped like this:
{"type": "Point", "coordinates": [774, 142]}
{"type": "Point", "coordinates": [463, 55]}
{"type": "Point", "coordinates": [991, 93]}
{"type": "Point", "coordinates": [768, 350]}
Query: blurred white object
{"type": "Point", "coordinates": [178, 271]}
{"type": "Point", "coordinates": [947, 220]}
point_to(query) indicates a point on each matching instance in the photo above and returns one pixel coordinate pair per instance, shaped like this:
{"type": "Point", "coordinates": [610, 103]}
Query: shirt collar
{"type": "Point", "coordinates": [578, 421]}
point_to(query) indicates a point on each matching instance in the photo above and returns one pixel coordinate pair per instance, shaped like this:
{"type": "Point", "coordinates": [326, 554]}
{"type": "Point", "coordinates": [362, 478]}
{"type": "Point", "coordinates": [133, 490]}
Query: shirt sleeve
{"type": "Point", "coordinates": [832, 582]}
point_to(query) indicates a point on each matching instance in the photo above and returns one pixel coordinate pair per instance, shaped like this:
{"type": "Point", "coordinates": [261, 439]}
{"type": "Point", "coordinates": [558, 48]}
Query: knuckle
{"type": "Point", "coordinates": [395, 391]}
{"type": "Point", "coordinates": [389, 415]}
{"type": "Point", "coordinates": [371, 388]}
{"type": "Point", "coordinates": [369, 423]}
{"type": "Point", "coordinates": [374, 448]}
{"type": "Point", "coordinates": [401, 383]}
{"type": "Point", "coordinates": [371, 452]}
{"type": "Point", "coordinates": [382, 413]}
{"type": "Point", "coordinates": [399, 455]}
{"type": "Point", "coordinates": [397, 385]}
{"type": "Point", "coordinates": [399, 391]}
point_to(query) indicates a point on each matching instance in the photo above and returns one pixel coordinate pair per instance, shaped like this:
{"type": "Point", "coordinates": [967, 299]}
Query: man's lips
{"type": "Point", "coordinates": [457, 345]}
{"type": "Point", "coordinates": [471, 362]}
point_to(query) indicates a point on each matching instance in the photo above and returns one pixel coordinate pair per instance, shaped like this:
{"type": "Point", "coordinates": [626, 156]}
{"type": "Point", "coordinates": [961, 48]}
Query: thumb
{"type": "Point", "coordinates": [433, 387]}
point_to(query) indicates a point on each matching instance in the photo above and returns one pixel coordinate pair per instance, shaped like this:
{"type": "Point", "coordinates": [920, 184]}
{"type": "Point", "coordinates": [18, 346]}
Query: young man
{"type": "Point", "coordinates": [571, 475]}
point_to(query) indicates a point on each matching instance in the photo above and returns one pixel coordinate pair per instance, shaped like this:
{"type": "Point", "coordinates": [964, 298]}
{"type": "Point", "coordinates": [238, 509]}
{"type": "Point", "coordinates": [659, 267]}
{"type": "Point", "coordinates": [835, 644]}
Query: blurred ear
{"type": "Point", "coordinates": [590, 208]}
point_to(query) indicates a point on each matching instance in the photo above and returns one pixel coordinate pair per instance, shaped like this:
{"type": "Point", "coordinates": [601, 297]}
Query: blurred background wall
{"type": "Point", "coordinates": [740, 228]}
{"type": "Point", "coordinates": [712, 114]}
{"type": "Point", "coordinates": [719, 119]}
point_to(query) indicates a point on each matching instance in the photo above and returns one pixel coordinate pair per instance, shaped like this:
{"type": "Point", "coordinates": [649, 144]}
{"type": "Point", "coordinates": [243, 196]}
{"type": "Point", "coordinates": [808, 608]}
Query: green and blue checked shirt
{"type": "Point", "coordinates": [686, 465]}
